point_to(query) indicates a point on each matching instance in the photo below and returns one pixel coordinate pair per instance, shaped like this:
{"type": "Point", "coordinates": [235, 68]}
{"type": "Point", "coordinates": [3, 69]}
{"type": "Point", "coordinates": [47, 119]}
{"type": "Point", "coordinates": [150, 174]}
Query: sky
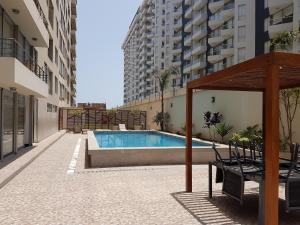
{"type": "Point", "coordinates": [101, 29]}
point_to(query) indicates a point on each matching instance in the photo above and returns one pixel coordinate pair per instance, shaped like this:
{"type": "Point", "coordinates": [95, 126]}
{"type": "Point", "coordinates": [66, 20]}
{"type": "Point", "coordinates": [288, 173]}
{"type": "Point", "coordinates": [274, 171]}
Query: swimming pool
{"type": "Point", "coordinates": [132, 139]}
{"type": "Point", "coordinates": [143, 148]}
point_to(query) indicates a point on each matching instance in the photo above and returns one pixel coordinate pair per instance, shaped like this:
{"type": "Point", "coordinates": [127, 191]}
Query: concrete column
{"type": "Point", "coordinates": [15, 116]}
{"type": "Point", "coordinates": [1, 124]}
{"type": "Point", "coordinates": [31, 120]}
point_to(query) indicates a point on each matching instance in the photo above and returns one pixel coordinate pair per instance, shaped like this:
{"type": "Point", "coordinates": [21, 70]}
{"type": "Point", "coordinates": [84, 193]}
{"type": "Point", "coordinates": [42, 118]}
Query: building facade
{"type": "Point", "coordinates": [38, 69]}
{"type": "Point", "coordinates": [210, 35]}
{"type": "Point", "coordinates": [153, 43]}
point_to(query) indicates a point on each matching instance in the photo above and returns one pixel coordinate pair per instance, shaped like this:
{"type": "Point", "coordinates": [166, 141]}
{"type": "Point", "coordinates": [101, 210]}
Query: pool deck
{"type": "Point", "coordinates": [44, 193]}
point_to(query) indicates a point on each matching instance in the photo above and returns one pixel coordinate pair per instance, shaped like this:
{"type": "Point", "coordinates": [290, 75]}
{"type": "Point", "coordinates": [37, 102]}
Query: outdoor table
{"type": "Point", "coordinates": [253, 172]}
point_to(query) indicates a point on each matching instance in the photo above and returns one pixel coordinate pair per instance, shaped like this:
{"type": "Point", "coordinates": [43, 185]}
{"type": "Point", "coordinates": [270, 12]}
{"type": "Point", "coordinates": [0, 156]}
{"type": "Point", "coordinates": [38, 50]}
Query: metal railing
{"type": "Point", "coordinates": [9, 47]}
{"type": "Point", "coordinates": [283, 16]}
{"type": "Point", "coordinates": [40, 10]}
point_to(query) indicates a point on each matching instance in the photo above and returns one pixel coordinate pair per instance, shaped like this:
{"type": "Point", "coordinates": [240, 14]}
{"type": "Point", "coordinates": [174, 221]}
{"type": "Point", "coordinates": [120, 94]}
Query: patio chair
{"type": "Point", "coordinates": [235, 176]}
{"type": "Point", "coordinates": [122, 127]}
{"type": "Point", "coordinates": [292, 184]}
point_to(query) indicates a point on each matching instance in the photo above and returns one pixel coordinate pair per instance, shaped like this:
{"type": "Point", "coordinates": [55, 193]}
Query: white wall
{"type": "Point", "coordinates": [47, 123]}
{"type": "Point", "coordinates": [239, 109]}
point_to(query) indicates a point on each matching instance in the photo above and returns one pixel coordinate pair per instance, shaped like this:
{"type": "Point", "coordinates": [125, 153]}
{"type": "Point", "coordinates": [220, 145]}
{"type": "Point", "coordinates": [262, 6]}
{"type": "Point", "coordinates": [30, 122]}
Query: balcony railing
{"type": "Point", "coordinates": [212, 1]}
{"type": "Point", "coordinates": [214, 51]}
{"type": "Point", "coordinates": [9, 47]}
{"type": "Point", "coordinates": [227, 46]}
{"type": "Point", "coordinates": [228, 6]}
{"type": "Point", "coordinates": [281, 20]}
{"type": "Point", "coordinates": [40, 10]}
{"type": "Point", "coordinates": [283, 16]}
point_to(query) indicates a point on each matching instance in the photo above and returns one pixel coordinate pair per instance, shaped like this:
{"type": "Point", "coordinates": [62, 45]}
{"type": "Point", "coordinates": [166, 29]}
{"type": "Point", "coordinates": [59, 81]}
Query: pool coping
{"type": "Point", "coordinates": [93, 144]}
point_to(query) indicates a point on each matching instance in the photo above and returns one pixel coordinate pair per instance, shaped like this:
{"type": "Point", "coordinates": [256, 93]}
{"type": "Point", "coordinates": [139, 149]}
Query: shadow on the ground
{"type": "Point", "coordinates": [12, 157]}
{"type": "Point", "coordinates": [226, 211]}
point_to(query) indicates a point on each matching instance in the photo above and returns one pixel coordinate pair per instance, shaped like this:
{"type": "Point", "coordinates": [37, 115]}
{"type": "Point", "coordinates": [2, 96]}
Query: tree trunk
{"type": "Point", "coordinates": [162, 122]}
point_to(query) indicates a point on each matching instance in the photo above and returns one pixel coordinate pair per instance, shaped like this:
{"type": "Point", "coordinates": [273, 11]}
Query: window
{"type": "Point", "coordinates": [49, 107]}
{"type": "Point", "coordinates": [242, 33]}
{"type": "Point", "coordinates": [241, 54]}
{"type": "Point", "coordinates": [56, 56]}
{"type": "Point", "coordinates": [50, 82]}
{"type": "Point", "coordinates": [242, 12]}
{"type": "Point", "coordinates": [56, 85]}
{"type": "Point", "coordinates": [50, 50]}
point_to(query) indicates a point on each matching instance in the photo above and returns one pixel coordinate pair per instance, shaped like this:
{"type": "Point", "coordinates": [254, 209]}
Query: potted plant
{"type": "Point", "coordinates": [223, 130]}
{"type": "Point", "coordinates": [112, 119]}
{"type": "Point", "coordinates": [77, 113]}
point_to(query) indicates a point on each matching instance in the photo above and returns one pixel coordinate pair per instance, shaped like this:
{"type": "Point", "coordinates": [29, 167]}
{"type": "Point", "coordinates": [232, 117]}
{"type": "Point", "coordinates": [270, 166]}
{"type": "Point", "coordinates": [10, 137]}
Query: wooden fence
{"type": "Point", "coordinates": [93, 119]}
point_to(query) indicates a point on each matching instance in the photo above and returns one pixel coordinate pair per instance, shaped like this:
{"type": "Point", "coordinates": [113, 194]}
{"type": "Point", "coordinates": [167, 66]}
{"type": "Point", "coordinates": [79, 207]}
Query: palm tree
{"type": "Point", "coordinates": [163, 80]}
{"type": "Point", "coordinates": [175, 71]}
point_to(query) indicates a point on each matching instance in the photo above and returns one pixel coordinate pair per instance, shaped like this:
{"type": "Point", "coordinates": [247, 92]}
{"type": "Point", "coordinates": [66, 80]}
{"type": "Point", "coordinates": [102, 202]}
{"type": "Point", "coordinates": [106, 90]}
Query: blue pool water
{"type": "Point", "coordinates": [114, 139]}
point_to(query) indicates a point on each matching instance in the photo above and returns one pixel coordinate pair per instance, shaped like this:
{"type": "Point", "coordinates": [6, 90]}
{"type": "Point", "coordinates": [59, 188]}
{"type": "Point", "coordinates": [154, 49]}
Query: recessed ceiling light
{"type": "Point", "coordinates": [15, 11]}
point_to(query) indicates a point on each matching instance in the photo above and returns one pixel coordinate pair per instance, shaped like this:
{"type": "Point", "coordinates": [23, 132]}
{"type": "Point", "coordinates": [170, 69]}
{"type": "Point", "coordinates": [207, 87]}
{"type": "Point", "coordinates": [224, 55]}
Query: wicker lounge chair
{"type": "Point", "coordinates": [292, 184]}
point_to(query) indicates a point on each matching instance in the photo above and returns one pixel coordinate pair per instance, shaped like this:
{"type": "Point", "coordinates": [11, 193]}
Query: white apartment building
{"type": "Point", "coordinates": [153, 43]}
{"type": "Point", "coordinates": [38, 69]}
{"type": "Point", "coordinates": [210, 35]}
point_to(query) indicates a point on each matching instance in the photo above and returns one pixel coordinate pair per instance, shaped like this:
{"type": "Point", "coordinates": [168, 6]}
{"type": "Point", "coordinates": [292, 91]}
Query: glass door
{"type": "Point", "coordinates": [21, 121]}
{"type": "Point", "coordinates": [8, 122]}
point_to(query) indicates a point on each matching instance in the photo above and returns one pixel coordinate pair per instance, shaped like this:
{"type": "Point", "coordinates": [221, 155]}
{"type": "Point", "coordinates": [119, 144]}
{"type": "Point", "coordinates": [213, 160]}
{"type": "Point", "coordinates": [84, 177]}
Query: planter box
{"type": "Point", "coordinates": [77, 129]}
{"type": "Point", "coordinates": [115, 127]}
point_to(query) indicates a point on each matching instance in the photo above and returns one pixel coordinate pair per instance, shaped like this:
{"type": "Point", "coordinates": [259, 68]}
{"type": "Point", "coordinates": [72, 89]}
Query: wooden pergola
{"type": "Point", "coordinates": [268, 74]}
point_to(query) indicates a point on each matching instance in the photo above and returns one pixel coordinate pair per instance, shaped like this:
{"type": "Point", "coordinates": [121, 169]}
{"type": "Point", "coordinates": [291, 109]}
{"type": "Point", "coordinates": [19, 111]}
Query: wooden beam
{"type": "Point", "coordinates": [271, 128]}
{"type": "Point", "coordinates": [286, 59]}
{"type": "Point", "coordinates": [188, 150]}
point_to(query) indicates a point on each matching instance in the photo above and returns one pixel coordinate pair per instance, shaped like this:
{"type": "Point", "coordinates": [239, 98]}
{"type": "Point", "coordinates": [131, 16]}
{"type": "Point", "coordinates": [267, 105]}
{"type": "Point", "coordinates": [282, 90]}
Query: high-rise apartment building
{"type": "Point", "coordinates": [153, 43]}
{"type": "Point", "coordinates": [210, 35]}
{"type": "Point", "coordinates": [38, 69]}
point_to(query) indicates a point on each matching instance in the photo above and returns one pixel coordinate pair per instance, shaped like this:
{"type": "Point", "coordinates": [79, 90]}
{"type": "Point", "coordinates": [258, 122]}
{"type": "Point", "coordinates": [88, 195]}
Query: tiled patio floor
{"type": "Point", "coordinates": [43, 193]}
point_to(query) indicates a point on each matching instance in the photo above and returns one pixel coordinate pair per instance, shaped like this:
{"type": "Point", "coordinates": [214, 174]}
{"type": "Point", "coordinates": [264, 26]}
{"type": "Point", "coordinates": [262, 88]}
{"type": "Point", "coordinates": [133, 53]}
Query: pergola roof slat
{"type": "Point", "coordinates": [251, 75]}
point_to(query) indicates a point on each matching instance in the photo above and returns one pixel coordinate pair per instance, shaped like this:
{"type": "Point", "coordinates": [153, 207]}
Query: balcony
{"type": "Point", "coordinates": [228, 11]}
{"type": "Point", "coordinates": [20, 71]}
{"type": "Point", "coordinates": [227, 50]}
{"type": "Point", "coordinates": [188, 40]}
{"type": "Point", "coordinates": [227, 31]}
{"type": "Point", "coordinates": [215, 21]}
{"type": "Point", "coordinates": [215, 56]}
{"type": "Point", "coordinates": [176, 62]}
{"type": "Point", "coordinates": [28, 15]}
{"type": "Point", "coordinates": [188, 2]}
{"type": "Point", "coordinates": [199, 49]}
{"type": "Point", "coordinates": [177, 24]}
{"type": "Point", "coordinates": [280, 25]}
{"type": "Point", "coordinates": [199, 33]}
{"type": "Point", "coordinates": [276, 5]}
{"type": "Point", "coordinates": [198, 64]}
{"type": "Point", "coordinates": [199, 4]}
{"type": "Point", "coordinates": [202, 17]}
{"type": "Point", "coordinates": [187, 68]}
{"type": "Point", "coordinates": [177, 49]}
{"type": "Point", "coordinates": [188, 26]}
{"type": "Point", "coordinates": [177, 37]}
{"type": "Point", "coordinates": [215, 5]}
{"type": "Point", "coordinates": [73, 92]}
{"type": "Point", "coordinates": [187, 54]}
{"type": "Point", "coordinates": [215, 39]}
{"type": "Point", "coordinates": [188, 12]}
{"type": "Point", "coordinates": [177, 12]}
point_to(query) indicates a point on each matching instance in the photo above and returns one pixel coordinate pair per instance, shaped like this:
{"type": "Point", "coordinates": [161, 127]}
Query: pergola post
{"type": "Point", "coordinates": [188, 151]}
{"type": "Point", "coordinates": [271, 137]}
